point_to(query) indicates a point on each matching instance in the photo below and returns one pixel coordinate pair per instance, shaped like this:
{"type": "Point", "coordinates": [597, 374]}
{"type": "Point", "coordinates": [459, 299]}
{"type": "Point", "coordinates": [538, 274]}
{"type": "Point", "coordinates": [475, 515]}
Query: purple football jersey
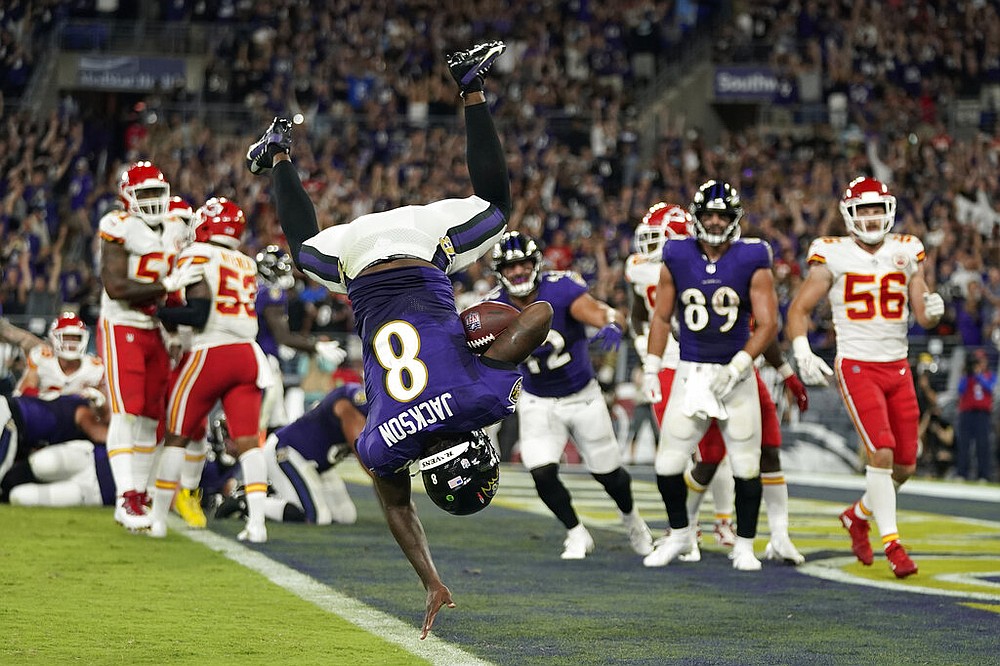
{"type": "Point", "coordinates": [313, 433]}
{"type": "Point", "coordinates": [43, 422]}
{"type": "Point", "coordinates": [420, 375]}
{"type": "Point", "coordinates": [713, 299]}
{"type": "Point", "coordinates": [269, 297]}
{"type": "Point", "coordinates": [561, 366]}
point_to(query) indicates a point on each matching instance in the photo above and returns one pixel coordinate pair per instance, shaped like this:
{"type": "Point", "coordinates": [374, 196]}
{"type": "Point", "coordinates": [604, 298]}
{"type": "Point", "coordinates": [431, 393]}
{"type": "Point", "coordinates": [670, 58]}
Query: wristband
{"type": "Point", "coordinates": [785, 370]}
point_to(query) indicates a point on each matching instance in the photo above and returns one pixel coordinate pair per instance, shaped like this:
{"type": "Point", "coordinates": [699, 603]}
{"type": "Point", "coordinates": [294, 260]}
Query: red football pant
{"type": "Point", "coordinates": [137, 367]}
{"type": "Point", "coordinates": [882, 402]}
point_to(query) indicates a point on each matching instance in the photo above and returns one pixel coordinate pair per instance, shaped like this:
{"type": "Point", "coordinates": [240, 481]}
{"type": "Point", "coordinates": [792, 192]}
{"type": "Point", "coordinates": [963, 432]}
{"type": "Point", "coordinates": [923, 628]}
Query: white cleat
{"type": "Point", "coordinates": [677, 543]}
{"type": "Point", "coordinates": [578, 543]}
{"type": "Point", "coordinates": [781, 548]}
{"type": "Point", "coordinates": [639, 536]}
{"type": "Point", "coordinates": [694, 555]}
{"type": "Point", "coordinates": [158, 529]}
{"type": "Point", "coordinates": [253, 534]}
{"type": "Point", "coordinates": [131, 514]}
{"type": "Point", "coordinates": [725, 535]}
{"type": "Point", "coordinates": [743, 557]}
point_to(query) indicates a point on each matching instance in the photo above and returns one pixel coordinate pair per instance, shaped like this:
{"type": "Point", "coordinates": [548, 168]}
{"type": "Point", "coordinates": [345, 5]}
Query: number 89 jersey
{"type": "Point", "coordinates": [232, 278]}
{"type": "Point", "coordinates": [713, 298]}
{"type": "Point", "coordinates": [870, 294]}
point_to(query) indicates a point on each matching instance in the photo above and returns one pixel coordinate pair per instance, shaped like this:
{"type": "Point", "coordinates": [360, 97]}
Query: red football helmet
{"type": "Point", "coordinates": [69, 336]}
{"type": "Point", "coordinates": [663, 222]}
{"type": "Point", "coordinates": [180, 209]}
{"type": "Point", "coordinates": [220, 221]}
{"type": "Point", "coordinates": [870, 229]}
{"type": "Point", "coordinates": [144, 192]}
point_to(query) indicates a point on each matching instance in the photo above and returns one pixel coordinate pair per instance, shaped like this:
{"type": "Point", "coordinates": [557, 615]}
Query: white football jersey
{"type": "Point", "coordinates": [151, 254]}
{"type": "Point", "coordinates": [53, 382]}
{"type": "Point", "coordinates": [870, 294]}
{"type": "Point", "coordinates": [232, 279]}
{"type": "Point", "coordinates": [643, 273]}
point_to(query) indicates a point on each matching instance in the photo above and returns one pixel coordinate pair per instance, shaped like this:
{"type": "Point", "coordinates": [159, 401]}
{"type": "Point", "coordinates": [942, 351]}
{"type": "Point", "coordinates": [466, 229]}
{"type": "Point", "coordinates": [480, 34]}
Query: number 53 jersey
{"type": "Point", "coordinates": [870, 294]}
{"type": "Point", "coordinates": [232, 278]}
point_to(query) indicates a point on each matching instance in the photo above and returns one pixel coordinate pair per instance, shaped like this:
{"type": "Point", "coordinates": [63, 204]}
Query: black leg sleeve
{"type": "Point", "coordinates": [296, 213]}
{"type": "Point", "coordinates": [748, 496]}
{"type": "Point", "coordinates": [554, 495]}
{"type": "Point", "coordinates": [673, 490]}
{"type": "Point", "coordinates": [485, 158]}
{"type": "Point", "coordinates": [618, 485]}
{"type": "Point", "coordinates": [20, 473]}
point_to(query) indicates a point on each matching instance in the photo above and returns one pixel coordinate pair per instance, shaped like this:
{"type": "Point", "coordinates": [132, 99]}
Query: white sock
{"type": "Point", "coordinates": [883, 501]}
{"type": "Point", "coordinates": [166, 481]}
{"type": "Point", "coordinates": [194, 463]}
{"type": "Point", "coordinates": [119, 444]}
{"type": "Point", "coordinates": [775, 498]}
{"type": "Point", "coordinates": [723, 489]}
{"type": "Point", "coordinates": [255, 482]}
{"type": "Point", "coordinates": [696, 493]}
{"type": "Point", "coordinates": [143, 451]}
{"type": "Point", "coordinates": [274, 509]}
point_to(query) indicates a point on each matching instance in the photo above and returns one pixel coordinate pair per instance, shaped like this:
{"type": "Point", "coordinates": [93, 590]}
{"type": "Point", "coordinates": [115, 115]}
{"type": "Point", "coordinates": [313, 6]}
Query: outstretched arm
{"type": "Point", "coordinates": [401, 514]}
{"type": "Point", "coordinates": [296, 213]}
{"type": "Point", "coordinates": [484, 154]}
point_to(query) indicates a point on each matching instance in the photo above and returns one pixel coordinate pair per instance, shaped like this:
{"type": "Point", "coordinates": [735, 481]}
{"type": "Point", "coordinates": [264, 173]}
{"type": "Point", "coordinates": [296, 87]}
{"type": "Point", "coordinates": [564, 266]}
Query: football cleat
{"type": "Point", "coordinates": [677, 543]}
{"type": "Point", "coordinates": [743, 557]}
{"type": "Point", "coordinates": [277, 138]}
{"type": "Point", "coordinates": [693, 555]}
{"type": "Point", "coordinates": [900, 562]}
{"type": "Point", "coordinates": [158, 529]}
{"type": "Point", "coordinates": [578, 544]}
{"type": "Point", "coordinates": [130, 512]}
{"type": "Point", "coordinates": [469, 67]}
{"type": "Point", "coordinates": [858, 529]}
{"type": "Point", "coordinates": [639, 536]}
{"type": "Point", "coordinates": [235, 504]}
{"type": "Point", "coordinates": [782, 548]}
{"type": "Point", "coordinates": [187, 504]}
{"type": "Point", "coordinates": [724, 534]}
{"type": "Point", "coordinates": [253, 534]}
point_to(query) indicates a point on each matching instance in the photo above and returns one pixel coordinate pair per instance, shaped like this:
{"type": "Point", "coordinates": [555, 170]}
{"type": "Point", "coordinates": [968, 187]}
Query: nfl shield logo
{"type": "Point", "coordinates": [472, 322]}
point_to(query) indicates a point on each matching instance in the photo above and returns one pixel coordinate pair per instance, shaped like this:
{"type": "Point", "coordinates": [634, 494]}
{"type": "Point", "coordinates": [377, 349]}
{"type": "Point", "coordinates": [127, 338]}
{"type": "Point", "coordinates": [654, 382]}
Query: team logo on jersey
{"type": "Point", "coordinates": [515, 392]}
{"type": "Point", "coordinates": [448, 247]}
{"type": "Point", "coordinates": [360, 398]}
{"type": "Point", "coordinates": [900, 260]}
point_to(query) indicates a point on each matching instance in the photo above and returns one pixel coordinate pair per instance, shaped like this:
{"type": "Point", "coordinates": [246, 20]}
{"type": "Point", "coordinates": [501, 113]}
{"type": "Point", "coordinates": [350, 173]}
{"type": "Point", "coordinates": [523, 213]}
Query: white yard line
{"type": "Point", "coordinates": [433, 649]}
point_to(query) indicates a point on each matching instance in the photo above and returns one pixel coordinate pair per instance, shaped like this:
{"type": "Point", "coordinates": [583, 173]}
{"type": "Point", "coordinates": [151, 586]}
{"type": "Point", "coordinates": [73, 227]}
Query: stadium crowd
{"type": "Point", "coordinates": [378, 111]}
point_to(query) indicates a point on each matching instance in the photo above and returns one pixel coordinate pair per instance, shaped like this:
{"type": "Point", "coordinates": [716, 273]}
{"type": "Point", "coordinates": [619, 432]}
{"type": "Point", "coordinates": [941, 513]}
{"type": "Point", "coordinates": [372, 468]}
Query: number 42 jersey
{"type": "Point", "coordinates": [870, 294]}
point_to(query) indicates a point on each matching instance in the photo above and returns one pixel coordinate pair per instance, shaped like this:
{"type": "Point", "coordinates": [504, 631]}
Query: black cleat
{"type": "Point", "coordinates": [469, 68]}
{"type": "Point", "coordinates": [276, 139]}
{"type": "Point", "coordinates": [233, 505]}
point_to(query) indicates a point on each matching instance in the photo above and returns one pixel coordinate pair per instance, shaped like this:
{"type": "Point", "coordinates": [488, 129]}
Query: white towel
{"type": "Point", "coordinates": [699, 400]}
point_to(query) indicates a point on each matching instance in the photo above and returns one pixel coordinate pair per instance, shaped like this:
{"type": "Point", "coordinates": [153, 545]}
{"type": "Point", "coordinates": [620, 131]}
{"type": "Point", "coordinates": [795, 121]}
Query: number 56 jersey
{"type": "Point", "coordinates": [870, 294]}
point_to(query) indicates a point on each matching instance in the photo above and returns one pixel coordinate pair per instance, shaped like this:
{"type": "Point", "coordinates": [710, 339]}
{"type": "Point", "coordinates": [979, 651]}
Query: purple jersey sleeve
{"type": "Point", "coordinates": [713, 298]}
{"type": "Point", "coordinates": [319, 429]}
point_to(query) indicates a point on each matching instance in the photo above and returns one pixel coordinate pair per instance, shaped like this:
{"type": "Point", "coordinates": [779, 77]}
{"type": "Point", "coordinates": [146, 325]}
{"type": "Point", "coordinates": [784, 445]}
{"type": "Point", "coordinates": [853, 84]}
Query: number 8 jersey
{"type": "Point", "coordinates": [713, 298]}
{"type": "Point", "coordinates": [869, 294]}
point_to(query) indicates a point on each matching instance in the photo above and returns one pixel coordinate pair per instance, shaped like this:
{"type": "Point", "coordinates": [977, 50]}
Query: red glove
{"type": "Point", "coordinates": [798, 389]}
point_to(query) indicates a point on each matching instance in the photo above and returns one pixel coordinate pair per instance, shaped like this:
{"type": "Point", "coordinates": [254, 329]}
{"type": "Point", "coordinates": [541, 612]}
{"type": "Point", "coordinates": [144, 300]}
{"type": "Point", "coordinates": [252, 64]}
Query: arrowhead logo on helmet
{"type": "Point", "coordinates": [220, 221]}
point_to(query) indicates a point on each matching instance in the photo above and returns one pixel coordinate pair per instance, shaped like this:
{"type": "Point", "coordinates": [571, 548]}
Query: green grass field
{"type": "Point", "coordinates": [77, 588]}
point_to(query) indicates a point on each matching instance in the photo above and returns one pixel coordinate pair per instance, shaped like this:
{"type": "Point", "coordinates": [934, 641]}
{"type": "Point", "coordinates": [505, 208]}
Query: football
{"type": "Point", "coordinates": [484, 321]}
